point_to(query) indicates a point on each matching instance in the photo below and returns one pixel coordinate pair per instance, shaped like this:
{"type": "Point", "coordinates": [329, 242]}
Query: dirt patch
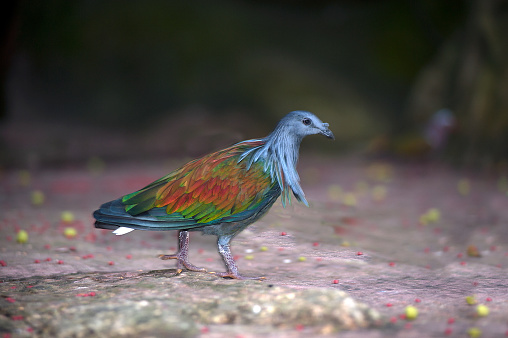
{"type": "Point", "coordinates": [371, 236]}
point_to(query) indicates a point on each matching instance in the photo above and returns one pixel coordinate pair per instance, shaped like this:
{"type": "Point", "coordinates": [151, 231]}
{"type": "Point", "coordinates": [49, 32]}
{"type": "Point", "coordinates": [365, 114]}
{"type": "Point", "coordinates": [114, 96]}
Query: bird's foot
{"type": "Point", "coordinates": [236, 276]}
{"type": "Point", "coordinates": [166, 257]}
{"type": "Point", "coordinates": [181, 263]}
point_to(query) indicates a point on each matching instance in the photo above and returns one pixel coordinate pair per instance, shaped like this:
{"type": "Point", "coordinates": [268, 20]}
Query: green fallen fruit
{"type": "Point", "coordinates": [22, 236]}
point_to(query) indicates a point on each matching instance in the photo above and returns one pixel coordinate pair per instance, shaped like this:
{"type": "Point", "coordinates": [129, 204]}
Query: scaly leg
{"type": "Point", "coordinates": [223, 246]}
{"type": "Point", "coordinates": [181, 255]}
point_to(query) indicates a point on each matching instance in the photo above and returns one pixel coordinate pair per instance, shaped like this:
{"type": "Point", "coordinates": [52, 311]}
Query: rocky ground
{"type": "Point", "coordinates": [378, 237]}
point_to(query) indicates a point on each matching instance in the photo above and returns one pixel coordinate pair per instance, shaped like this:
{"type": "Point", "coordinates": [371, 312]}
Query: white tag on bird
{"type": "Point", "coordinates": [122, 231]}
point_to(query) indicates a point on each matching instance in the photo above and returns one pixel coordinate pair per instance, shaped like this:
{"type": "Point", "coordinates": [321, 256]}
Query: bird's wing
{"type": "Point", "coordinates": [207, 190]}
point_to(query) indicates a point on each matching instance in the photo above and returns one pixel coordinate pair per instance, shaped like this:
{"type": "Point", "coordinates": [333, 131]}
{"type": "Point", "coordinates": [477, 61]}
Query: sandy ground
{"type": "Point", "coordinates": [390, 235]}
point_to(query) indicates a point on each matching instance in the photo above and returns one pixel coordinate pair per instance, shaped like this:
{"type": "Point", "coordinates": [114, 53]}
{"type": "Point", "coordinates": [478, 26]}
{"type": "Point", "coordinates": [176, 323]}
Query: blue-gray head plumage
{"type": "Point", "coordinates": [281, 148]}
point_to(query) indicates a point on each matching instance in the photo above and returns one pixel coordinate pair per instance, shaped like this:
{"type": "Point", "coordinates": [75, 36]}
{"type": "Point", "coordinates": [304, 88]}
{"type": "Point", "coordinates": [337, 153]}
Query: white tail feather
{"type": "Point", "coordinates": [122, 231]}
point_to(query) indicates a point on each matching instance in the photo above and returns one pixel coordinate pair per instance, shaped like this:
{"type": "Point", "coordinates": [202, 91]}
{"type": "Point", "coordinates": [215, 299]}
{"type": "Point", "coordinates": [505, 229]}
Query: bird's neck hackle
{"type": "Point", "coordinates": [280, 156]}
{"type": "Point", "coordinates": [284, 147]}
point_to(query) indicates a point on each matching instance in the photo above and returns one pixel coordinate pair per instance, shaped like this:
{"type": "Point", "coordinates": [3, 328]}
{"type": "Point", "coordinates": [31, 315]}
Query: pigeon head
{"type": "Point", "coordinates": [303, 123]}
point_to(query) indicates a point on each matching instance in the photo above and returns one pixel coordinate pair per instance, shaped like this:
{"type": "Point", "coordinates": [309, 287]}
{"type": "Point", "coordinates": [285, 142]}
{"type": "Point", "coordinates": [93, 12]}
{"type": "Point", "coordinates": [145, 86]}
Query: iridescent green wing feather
{"type": "Point", "coordinates": [208, 189]}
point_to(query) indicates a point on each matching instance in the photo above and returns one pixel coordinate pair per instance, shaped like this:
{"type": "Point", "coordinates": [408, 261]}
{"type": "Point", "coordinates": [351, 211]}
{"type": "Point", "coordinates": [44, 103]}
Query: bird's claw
{"type": "Point", "coordinates": [181, 263]}
{"type": "Point", "coordinates": [166, 257]}
{"type": "Point", "coordinates": [236, 276]}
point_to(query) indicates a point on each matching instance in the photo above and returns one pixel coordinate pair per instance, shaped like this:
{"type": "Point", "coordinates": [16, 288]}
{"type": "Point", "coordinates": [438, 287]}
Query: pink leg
{"type": "Point", "coordinates": [181, 255]}
{"type": "Point", "coordinates": [223, 245]}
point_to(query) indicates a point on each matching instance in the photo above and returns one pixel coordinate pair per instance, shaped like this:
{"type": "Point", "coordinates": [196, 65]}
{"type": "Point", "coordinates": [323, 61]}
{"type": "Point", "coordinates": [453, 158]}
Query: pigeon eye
{"type": "Point", "coordinates": [306, 121]}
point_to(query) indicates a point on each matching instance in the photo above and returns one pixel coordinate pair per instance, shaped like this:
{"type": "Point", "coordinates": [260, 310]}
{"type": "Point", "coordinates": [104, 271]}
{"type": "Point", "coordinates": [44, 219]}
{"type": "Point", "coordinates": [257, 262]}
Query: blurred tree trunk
{"type": "Point", "coordinates": [470, 77]}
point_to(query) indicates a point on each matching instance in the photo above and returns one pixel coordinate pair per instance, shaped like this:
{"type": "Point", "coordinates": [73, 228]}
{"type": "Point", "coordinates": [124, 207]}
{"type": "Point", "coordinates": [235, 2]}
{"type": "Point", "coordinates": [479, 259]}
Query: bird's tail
{"type": "Point", "coordinates": [112, 215]}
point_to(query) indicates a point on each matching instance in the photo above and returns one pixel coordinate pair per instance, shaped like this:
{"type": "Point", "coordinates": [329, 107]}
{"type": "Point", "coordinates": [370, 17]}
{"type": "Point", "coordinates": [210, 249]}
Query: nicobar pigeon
{"type": "Point", "coordinates": [218, 194]}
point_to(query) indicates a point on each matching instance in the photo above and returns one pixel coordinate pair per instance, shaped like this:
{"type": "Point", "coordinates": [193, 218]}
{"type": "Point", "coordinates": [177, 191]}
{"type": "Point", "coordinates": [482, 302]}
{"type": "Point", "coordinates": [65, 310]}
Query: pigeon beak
{"type": "Point", "coordinates": [327, 132]}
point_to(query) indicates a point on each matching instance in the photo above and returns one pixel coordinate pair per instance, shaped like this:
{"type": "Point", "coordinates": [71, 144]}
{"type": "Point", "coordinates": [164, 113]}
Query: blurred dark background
{"type": "Point", "coordinates": [121, 80]}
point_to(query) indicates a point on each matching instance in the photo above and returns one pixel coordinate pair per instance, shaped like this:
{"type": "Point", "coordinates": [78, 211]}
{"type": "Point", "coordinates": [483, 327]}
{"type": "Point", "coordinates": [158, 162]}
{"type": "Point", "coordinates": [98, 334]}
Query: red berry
{"type": "Point", "coordinates": [2, 263]}
{"type": "Point", "coordinates": [60, 261]}
{"type": "Point", "coordinates": [128, 256]}
{"type": "Point", "coordinates": [393, 320]}
{"type": "Point", "coordinates": [315, 244]}
{"type": "Point", "coordinates": [37, 261]}
{"type": "Point", "coordinates": [283, 233]}
{"type": "Point", "coordinates": [111, 263]}
{"type": "Point", "coordinates": [389, 304]}
{"type": "Point", "coordinates": [10, 300]}
{"type": "Point", "coordinates": [91, 294]}
{"type": "Point", "coordinates": [462, 263]}
{"type": "Point", "coordinates": [299, 327]}
{"type": "Point", "coordinates": [418, 300]}
{"type": "Point", "coordinates": [359, 253]}
{"type": "Point", "coordinates": [48, 259]}
{"type": "Point", "coordinates": [451, 320]}
{"type": "Point", "coordinates": [448, 331]}
{"type": "Point", "coordinates": [335, 281]}
{"type": "Point", "coordinates": [488, 299]}
{"type": "Point", "coordinates": [391, 264]}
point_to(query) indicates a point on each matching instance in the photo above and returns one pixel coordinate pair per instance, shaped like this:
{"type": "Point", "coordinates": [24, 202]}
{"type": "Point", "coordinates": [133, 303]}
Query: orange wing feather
{"type": "Point", "coordinates": [214, 185]}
